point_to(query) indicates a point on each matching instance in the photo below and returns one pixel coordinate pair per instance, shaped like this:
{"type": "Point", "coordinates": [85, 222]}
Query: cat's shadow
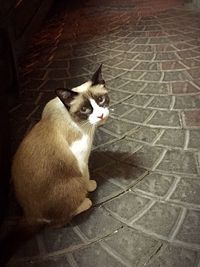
{"type": "Point", "coordinates": [113, 176]}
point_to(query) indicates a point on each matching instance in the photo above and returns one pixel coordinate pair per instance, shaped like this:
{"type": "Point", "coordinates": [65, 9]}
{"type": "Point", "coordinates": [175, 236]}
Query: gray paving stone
{"type": "Point", "coordinates": [138, 100]}
{"type": "Point", "coordinates": [132, 75]}
{"type": "Point", "coordinates": [127, 205]}
{"type": "Point", "coordinates": [170, 256]}
{"type": "Point", "coordinates": [166, 56]}
{"type": "Point", "coordinates": [145, 157]}
{"type": "Point", "coordinates": [137, 115]}
{"type": "Point", "coordinates": [147, 66]}
{"type": "Point", "coordinates": [118, 127]}
{"type": "Point", "coordinates": [156, 184]}
{"type": "Point", "coordinates": [194, 141]}
{"type": "Point", "coordinates": [152, 76]}
{"type": "Point", "coordinates": [160, 219]}
{"type": "Point", "coordinates": [172, 138]}
{"type": "Point", "coordinates": [144, 134]}
{"type": "Point", "coordinates": [127, 65]}
{"type": "Point", "coordinates": [143, 48]}
{"type": "Point", "coordinates": [160, 102]}
{"type": "Point", "coordinates": [139, 247]}
{"type": "Point", "coordinates": [62, 238]}
{"type": "Point", "coordinates": [178, 161]}
{"type": "Point", "coordinates": [187, 190]}
{"type": "Point", "coordinates": [115, 83]}
{"type": "Point", "coordinates": [165, 118]}
{"type": "Point", "coordinates": [101, 138]}
{"type": "Point", "coordinates": [144, 56]}
{"type": "Point", "coordinates": [183, 88]}
{"type": "Point", "coordinates": [95, 255]}
{"type": "Point", "coordinates": [175, 76]}
{"type": "Point", "coordinates": [113, 61]}
{"type": "Point", "coordinates": [191, 118]}
{"type": "Point", "coordinates": [187, 102]}
{"type": "Point", "coordinates": [120, 149]}
{"type": "Point", "coordinates": [156, 89]}
{"type": "Point", "coordinates": [116, 96]}
{"type": "Point", "coordinates": [141, 40]}
{"type": "Point", "coordinates": [122, 174]}
{"type": "Point", "coordinates": [159, 40]}
{"type": "Point", "coordinates": [99, 159]}
{"type": "Point", "coordinates": [187, 233]}
{"type": "Point", "coordinates": [105, 189]}
{"type": "Point", "coordinates": [132, 87]}
{"type": "Point", "coordinates": [120, 109]}
{"type": "Point", "coordinates": [96, 223]}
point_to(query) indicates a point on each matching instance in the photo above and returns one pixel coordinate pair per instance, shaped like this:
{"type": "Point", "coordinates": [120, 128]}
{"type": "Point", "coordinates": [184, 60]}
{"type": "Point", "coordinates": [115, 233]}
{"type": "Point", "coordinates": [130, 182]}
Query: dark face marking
{"type": "Point", "coordinates": [102, 100]}
{"type": "Point", "coordinates": [84, 110]}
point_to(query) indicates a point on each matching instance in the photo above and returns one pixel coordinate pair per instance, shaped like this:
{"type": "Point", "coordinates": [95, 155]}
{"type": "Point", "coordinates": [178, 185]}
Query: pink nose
{"type": "Point", "coordinates": [100, 117]}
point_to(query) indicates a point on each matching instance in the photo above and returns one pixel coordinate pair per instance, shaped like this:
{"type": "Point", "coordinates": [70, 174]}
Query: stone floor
{"type": "Point", "coordinates": [146, 159]}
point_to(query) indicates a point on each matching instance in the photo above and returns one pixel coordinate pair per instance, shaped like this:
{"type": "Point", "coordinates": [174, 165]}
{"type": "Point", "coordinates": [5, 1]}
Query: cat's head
{"type": "Point", "coordinates": [87, 102]}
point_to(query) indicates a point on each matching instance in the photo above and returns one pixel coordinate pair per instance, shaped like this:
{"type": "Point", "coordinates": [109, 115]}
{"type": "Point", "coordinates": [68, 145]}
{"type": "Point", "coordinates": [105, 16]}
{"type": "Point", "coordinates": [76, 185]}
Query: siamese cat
{"type": "Point", "coordinates": [50, 168]}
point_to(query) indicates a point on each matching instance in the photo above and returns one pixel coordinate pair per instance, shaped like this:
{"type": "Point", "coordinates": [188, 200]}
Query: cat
{"type": "Point", "coordinates": [50, 172]}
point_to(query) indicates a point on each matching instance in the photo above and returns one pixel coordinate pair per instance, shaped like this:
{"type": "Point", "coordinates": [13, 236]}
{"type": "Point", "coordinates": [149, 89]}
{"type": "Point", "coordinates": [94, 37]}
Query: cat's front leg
{"type": "Point", "coordinates": [87, 174]}
{"type": "Point", "coordinates": [92, 185]}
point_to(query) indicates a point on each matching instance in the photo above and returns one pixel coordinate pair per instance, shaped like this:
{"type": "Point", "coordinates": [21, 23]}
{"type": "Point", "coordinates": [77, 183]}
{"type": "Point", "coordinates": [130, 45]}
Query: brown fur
{"type": "Point", "coordinates": [47, 180]}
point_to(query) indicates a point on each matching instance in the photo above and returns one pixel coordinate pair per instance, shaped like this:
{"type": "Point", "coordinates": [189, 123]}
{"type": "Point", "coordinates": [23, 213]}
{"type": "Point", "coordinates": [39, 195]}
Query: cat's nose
{"type": "Point", "coordinates": [100, 117]}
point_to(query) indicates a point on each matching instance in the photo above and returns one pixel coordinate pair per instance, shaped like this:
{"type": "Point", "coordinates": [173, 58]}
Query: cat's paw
{"type": "Point", "coordinates": [92, 185]}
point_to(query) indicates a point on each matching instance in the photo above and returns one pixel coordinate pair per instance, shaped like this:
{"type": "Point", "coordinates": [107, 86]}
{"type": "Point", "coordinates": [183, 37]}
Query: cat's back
{"type": "Point", "coordinates": [45, 146]}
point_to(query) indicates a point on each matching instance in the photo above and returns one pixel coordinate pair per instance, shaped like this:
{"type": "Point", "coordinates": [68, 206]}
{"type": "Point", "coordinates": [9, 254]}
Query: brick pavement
{"type": "Point", "coordinates": [146, 159]}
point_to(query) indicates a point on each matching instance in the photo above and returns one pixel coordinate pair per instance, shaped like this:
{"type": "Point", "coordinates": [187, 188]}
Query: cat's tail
{"type": "Point", "coordinates": [14, 235]}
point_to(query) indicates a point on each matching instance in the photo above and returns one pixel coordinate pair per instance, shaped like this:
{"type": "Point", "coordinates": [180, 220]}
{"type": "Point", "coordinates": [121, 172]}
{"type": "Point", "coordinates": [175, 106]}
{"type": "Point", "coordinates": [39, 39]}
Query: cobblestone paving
{"type": "Point", "coordinates": [146, 159]}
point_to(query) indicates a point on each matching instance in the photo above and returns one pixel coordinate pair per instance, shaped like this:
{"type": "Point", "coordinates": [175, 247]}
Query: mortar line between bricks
{"type": "Point", "coordinates": [187, 139]}
{"type": "Point", "coordinates": [162, 76]}
{"type": "Point", "coordinates": [172, 102]}
{"type": "Point", "coordinates": [71, 260]}
{"type": "Point", "coordinates": [148, 101]}
{"type": "Point", "coordinates": [114, 254]}
{"type": "Point", "coordinates": [156, 164]}
{"type": "Point", "coordinates": [182, 244]}
{"type": "Point", "coordinates": [127, 112]}
{"type": "Point", "coordinates": [67, 251]}
{"type": "Point", "coordinates": [158, 136]}
{"type": "Point", "coordinates": [195, 85]}
{"type": "Point", "coordinates": [163, 200]}
{"type": "Point", "coordinates": [172, 187]}
{"type": "Point", "coordinates": [142, 212]}
{"type": "Point", "coordinates": [181, 119]}
{"type": "Point", "coordinates": [77, 230]}
{"type": "Point", "coordinates": [197, 159]}
{"type": "Point", "coordinates": [178, 224]}
{"type": "Point", "coordinates": [149, 117]}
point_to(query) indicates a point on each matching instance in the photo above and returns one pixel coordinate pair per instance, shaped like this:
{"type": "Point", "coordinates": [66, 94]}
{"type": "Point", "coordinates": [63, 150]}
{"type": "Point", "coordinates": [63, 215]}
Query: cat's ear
{"type": "Point", "coordinates": [97, 77]}
{"type": "Point", "coordinates": [66, 96]}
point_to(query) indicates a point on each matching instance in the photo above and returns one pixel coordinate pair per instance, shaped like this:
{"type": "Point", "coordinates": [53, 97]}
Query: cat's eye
{"type": "Point", "coordinates": [85, 110]}
{"type": "Point", "coordinates": [101, 99]}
